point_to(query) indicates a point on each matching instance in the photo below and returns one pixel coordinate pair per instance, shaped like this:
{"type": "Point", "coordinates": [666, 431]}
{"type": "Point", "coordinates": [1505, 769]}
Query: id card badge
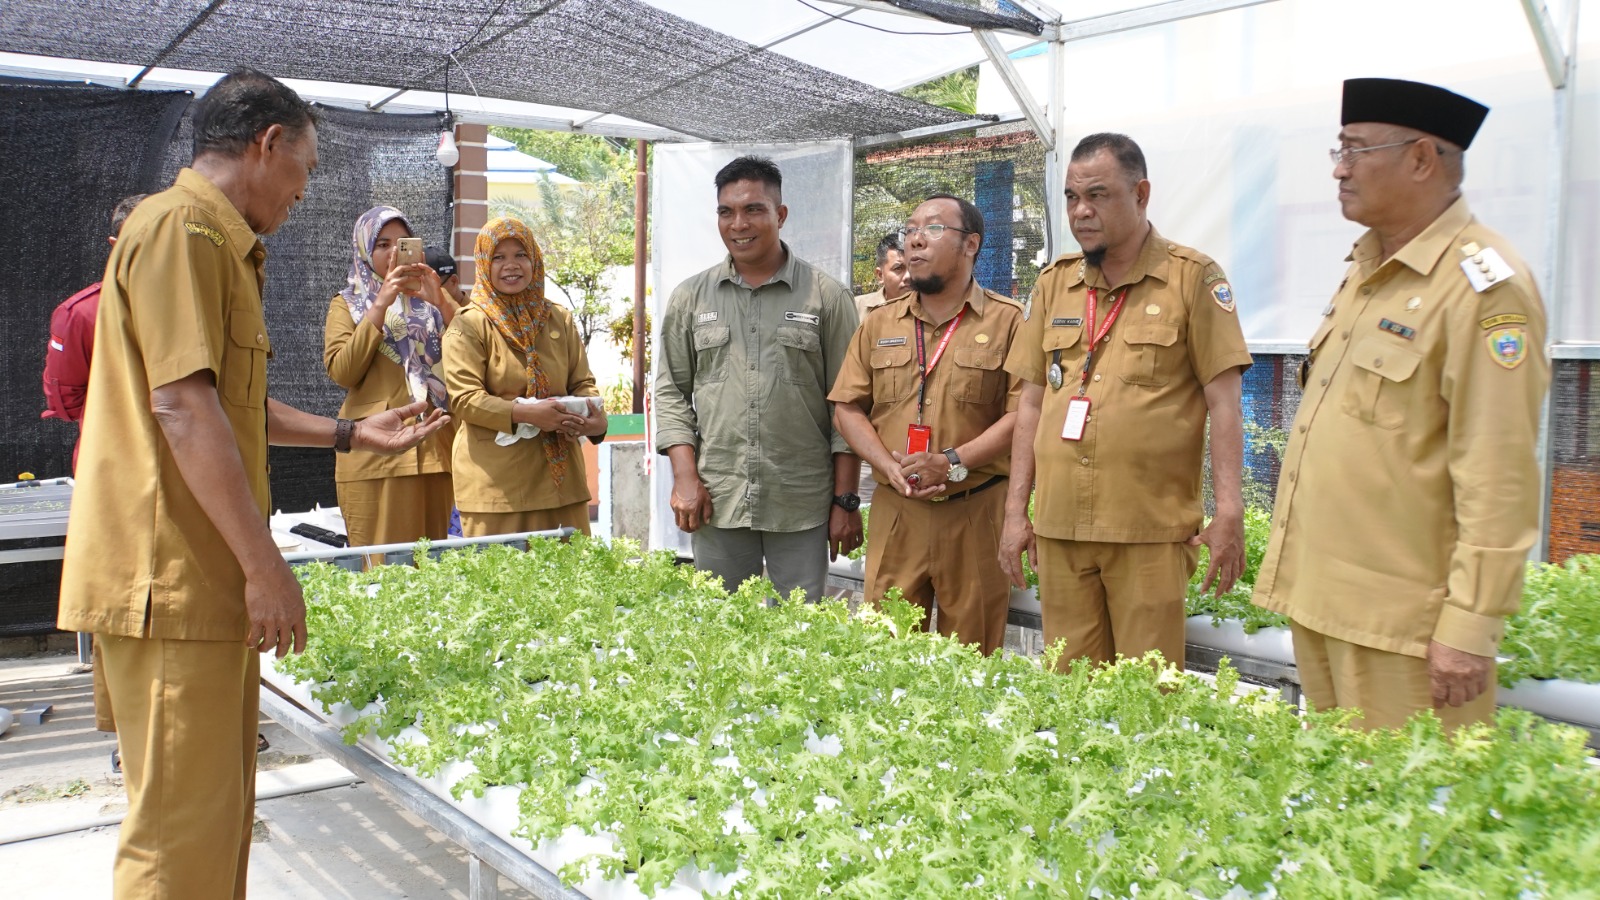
{"type": "Point", "coordinates": [918, 438]}
{"type": "Point", "coordinates": [1077, 419]}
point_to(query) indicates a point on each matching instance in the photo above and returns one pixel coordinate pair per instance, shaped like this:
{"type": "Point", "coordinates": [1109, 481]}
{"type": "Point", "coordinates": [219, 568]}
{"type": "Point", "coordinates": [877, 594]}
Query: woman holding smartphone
{"type": "Point", "coordinates": [509, 358]}
{"type": "Point", "coordinates": [382, 344]}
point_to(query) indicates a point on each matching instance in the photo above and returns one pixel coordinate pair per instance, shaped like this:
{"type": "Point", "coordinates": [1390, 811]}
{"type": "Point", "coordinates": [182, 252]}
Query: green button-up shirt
{"type": "Point", "coordinates": [743, 378]}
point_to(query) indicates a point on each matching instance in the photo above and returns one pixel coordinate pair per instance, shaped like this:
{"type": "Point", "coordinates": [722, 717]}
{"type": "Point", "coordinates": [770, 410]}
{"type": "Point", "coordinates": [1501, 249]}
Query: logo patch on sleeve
{"type": "Point", "coordinates": [1223, 294]}
{"type": "Point", "coordinates": [807, 318]}
{"type": "Point", "coordinates": [1507, 319]}
{"type": "Point", "coordinates": [1073, 322]}
{"type": "Point", "coordinates": [205, 231]}
{"type": "Point", "coordinates": [1395, 328]}
{"type": "Point", "coordinates": [1508, 346]}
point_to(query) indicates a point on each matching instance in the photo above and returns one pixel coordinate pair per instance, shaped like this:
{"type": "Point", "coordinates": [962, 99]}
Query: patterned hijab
{"type": "Point", "coordinates": [412, 327]}
{"type": "Point", "coordinates": [519, 318]}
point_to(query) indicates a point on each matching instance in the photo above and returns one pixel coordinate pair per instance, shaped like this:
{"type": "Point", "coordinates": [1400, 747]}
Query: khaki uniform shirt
{"type": "Point", "coordinates": [1135, 477]}
{"type": "Point", "coordinates": [744, 379]}
{"type": "Point", "coordinates": [182, 295]}
{"type": "Point", "coordinates": [968, 391]}
{"type": "Point", "coordinates": [866, 303]}
{"type": "Point", "coordinates": [484, 375]}
{"type": "Point", "coordinates": [351, 352]}
{"type": "Point", "coordinates": [1409, 492]}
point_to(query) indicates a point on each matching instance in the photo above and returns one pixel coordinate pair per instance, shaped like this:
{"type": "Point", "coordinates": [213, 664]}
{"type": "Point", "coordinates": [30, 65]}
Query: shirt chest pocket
{"type": "Point", "coordinates": [1380, 388]}
{"type": "Point", "coordinates": [893, 377]}
{"type": "Point", "coordinates": [978, 376]}
{"type": "Point", "coordinates": [711, 354]}
{"type": "Point", "coordinates": [1065, 342]}
{"type": "Point", "coordinates": [244, 360]}
{"type": "Point", "coordinates": [1152, 348]}
{"type": "Point", "coordinates": [802, 356]}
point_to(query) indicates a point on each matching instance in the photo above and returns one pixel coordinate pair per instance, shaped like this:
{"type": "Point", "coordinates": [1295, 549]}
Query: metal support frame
{"type": "Point", "coordinates": [911, 134]}
{"type": "Point", "coordinates": [402, 553]}
{"type": "Point", "coordinates": [1019, 91]}
{"type": "Point", "coordinates": [489, 853]}
{"type": "Point", "coordinates": [173, 44]}
{"type": "Point", "coordinates": [1146, 16]}
{"type": "Point", "coordinates": [1559, 52]}
{"type": "Point", "coordinates": [1031, 7]}
{"type": "Point", "coordinates": [1055, 159]}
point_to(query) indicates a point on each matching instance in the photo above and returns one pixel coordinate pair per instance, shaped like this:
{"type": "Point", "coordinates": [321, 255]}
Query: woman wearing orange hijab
{"type": "Point", "coordinates": [508, 355]}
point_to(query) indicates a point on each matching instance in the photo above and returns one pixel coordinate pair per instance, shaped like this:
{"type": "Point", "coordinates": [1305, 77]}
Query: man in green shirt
{"type": "Point", "coordinates": [749, 349]}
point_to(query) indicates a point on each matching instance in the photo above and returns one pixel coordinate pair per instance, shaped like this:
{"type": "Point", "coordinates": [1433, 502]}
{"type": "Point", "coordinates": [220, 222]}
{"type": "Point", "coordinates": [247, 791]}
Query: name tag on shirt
{"type": "Point", "coordinates": [892, 342]}
{"type": "Point", "coordinates": [1077, 419]}
{"type": "Point", "coordinates": [807, 318]}
{"type": "Point", "coordinates": [1066, 323]}
{"type": "Point", "coordinates": [707, 317]}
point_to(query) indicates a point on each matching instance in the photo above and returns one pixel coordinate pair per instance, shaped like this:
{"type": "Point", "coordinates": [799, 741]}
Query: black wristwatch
{"type": "Point", "coordinates": [847, 502]}
{"type": "Point", "coordinates": [958, 472]}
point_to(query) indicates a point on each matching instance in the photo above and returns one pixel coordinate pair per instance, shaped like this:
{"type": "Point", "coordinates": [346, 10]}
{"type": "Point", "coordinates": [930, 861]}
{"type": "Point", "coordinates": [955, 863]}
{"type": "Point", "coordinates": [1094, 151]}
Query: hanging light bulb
{"type": "Point", "coordinates": [447, 154]}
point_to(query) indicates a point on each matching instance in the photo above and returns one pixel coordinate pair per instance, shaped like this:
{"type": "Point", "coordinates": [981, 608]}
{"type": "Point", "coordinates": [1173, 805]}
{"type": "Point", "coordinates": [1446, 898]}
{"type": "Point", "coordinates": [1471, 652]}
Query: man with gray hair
{"type": "Point", "coordinates": [169, 560]}
{"type": "Point", "coordinates": [1409, 493]}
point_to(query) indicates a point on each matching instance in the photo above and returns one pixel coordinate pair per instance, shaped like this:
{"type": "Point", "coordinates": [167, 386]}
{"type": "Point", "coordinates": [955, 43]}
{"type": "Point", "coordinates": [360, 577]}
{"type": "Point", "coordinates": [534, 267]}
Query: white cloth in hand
{"type": "Point", "coordinates": [578, 406]}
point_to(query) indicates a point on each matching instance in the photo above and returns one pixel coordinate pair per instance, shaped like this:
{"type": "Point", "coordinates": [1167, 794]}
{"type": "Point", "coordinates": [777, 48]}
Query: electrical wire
{"type": "Point", "coordinates": [849, 21]}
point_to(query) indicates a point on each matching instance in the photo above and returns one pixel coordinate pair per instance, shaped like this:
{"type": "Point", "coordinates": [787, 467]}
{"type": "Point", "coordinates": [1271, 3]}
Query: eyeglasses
{"type": "Point", "coordinates": [1347, 155]}
{"type": "Point", "coordinates": [931, 232]}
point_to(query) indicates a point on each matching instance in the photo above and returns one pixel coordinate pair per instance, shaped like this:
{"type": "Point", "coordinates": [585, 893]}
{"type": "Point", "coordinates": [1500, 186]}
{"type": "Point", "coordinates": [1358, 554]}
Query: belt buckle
{"type": "Point", "coordinates": [939, 499]}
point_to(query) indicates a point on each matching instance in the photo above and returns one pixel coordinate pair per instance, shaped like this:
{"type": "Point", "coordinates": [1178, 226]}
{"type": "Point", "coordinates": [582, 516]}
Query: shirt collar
{"type": "Point", "coordinates": [784, 274]}
{"type": "Point", "coordinates": [1422, 252]}
{"type": "Point", "coordinates": [975, 298]}
{"type": "Point", "coordinates": [1152, 261]}
{"type": "Point", "coordinates": [243, 237]}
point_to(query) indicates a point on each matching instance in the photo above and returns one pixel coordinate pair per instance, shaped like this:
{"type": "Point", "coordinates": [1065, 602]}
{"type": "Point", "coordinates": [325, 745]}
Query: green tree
{"type": "Point", "coordinates": [957, 91]}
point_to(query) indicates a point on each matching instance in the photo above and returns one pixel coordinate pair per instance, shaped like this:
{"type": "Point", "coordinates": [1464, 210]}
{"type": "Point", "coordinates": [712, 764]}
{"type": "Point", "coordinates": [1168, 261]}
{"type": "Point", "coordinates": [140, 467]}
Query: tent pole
{"type": "Point", "coordinates": [1562, 67]}
{"type": "Point", "coordinates": [1055, 170]}
{"type": "Point", "coordinates": [641, 222]}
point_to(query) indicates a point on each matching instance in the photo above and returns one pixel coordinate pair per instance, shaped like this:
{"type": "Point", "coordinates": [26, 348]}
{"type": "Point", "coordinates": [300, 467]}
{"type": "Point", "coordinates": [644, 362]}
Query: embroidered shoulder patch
{"type": "Point", "coordinates": [1507, 319]}
{"type": "Point", "coordinates": [1508, 346]}
{"type": "Point", "coordinates": [1395, 328]}
{"type": "Point", "coordinates": [1073, 322]}
{"type": "Point", "coordinates": [1223, 294]}
{"type": "Point", "coordinates": [205, 231]}
{"type": "Point", "coordinates": [1215, 276]}
{"type": "Point", "coordinates": [807, 318]}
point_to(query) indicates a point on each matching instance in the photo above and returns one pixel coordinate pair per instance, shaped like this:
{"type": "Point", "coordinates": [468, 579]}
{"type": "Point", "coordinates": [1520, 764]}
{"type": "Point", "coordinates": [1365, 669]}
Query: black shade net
{"type": "Point", "coordinates": [612, 56]}
{"type": "Point", "coordinates": [73, 151]}
{"type": "Point", "coordinates": [975, 13]}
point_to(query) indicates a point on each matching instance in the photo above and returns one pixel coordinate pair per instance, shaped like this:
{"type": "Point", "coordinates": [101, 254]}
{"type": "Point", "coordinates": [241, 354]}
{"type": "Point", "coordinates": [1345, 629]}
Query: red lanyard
{"type": "Point", "coordinates": [1097, 336]}
{"type": "Point", "coordinates": [938, 352]}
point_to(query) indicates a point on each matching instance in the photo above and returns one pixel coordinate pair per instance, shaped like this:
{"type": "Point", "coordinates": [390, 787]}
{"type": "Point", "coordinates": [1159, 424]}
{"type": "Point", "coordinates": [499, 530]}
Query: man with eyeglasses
{"type": "Point", "coordinates": [923, 397]}
{"type": "Point", "coordinates": [1409, 493]}
{"type": "Point", "coordinates": [1130, 345]}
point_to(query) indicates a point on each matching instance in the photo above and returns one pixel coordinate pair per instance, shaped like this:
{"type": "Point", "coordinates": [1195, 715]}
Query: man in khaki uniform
{"type": "Point", "coordinates": [934, 358]}
{"type": "Point", "coordinates": [1409, 493]}
{"type": "Point", "coordinates": [169, 559]}
{"type": "Point", "coordinates": [1118, 435]}
{"type": "Point", "coordinates": [891, 272]}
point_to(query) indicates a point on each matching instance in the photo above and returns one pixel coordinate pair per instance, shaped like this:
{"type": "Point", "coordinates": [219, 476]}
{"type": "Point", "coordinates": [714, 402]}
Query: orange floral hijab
{"type": "Point", "coordinates": [519, 318]}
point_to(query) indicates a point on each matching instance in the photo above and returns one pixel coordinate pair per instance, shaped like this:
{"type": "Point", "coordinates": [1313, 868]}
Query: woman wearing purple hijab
{"type": "Point", "coordinates": [381, 344]}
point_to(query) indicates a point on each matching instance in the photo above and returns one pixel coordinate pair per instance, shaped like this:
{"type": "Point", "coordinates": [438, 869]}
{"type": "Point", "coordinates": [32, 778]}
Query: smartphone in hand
{"type": "Point", "coordinates": [408, 251]}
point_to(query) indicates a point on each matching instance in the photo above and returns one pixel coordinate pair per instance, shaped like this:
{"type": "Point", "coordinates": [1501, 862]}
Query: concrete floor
{"type": "Point", "coordinates": [340, 842]}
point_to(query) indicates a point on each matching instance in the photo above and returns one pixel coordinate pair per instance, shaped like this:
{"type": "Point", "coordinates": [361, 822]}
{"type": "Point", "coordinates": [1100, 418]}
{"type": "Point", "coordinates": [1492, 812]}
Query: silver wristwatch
{"type": "Point", "coordinates": [958, 472]}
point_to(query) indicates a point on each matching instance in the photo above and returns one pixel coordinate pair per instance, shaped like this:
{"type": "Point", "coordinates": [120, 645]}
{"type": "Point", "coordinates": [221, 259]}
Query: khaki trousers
{"type": "Point", "coordinates": [186, 715]}
{"type": "Point", "coordinates": [398, 510]}
{"type": "Point", "coordinates": [480, 524]}
{"type": "Point", "coordinates": [1109, 599]}
{"type": "Point", "coordinates": [946, 552]}
{"type": "Point", "coordinates": [1388, 688]}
